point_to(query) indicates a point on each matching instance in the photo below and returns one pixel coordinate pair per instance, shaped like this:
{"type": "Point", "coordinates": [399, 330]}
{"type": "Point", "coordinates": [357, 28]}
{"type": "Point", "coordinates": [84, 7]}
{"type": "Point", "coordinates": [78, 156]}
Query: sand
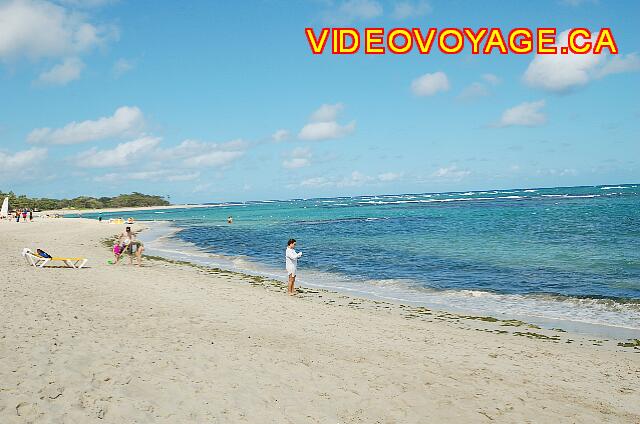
{"type": "Point", "coordinates": [172, 343]}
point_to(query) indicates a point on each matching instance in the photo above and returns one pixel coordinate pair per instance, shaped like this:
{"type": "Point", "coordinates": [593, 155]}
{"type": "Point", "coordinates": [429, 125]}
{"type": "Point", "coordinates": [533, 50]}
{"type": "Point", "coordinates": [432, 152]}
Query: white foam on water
{"type": "Point", "coordinates": [592, 316]}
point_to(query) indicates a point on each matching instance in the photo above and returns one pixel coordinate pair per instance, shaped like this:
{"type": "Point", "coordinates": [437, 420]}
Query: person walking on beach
{"type": "Point", "coordinates": [291, 262]}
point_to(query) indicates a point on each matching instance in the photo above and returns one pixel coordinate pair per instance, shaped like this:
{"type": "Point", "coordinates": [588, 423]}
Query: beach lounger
{"type": "Point", "coordinates": [39, 261]}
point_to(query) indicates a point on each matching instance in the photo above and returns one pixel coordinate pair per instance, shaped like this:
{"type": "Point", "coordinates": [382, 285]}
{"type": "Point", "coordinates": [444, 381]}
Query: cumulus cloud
{"type": "Point", "coordinates": [298, 158]}
{"type": "Point", "coordinates": [199, 154]}
{"type": "Point", "coordinates": [562, 73]}
{"type": "Point", "coordinates": [408, 9]}
{"type": "Point", "coordinates": [317, 131]}
{"type": "Point", "coordinates": [123, 154]}
{"type": "Point", "coordinates": [18, 161]}
{"type": "Point", "coordinates": [526, 114]}
{"type": "Point", "coordinates": [326, 113]}
{"type": "Point", "coordinates": [354, 10]}
{"type": "Point", "coordinates": [323, 124]}
{"type": "Point", "coordinates": [430, 84]}
{"type": "Point", "coordinates": [62, 73]}
{"type": "Point", "coordinates": [620, 64]}
{"type": "Point", "coordinates": [125, 121]}
{"type": "Point", "coordinates": [450, 173]}
{"type": "Point", "coordinates": [280, 135]}
{"type": "Point", "coordinates": [41, 29]}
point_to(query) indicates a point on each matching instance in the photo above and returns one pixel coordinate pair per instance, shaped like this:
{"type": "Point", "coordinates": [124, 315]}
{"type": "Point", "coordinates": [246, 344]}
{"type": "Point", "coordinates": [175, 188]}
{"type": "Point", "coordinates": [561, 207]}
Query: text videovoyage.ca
{"type": "Point", "coordinates": [457, 40]}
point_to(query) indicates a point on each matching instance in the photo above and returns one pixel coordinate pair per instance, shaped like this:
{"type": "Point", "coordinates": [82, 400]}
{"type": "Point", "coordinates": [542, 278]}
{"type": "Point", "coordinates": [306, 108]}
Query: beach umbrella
{"type": "Point", "coordinates": [4, 211]}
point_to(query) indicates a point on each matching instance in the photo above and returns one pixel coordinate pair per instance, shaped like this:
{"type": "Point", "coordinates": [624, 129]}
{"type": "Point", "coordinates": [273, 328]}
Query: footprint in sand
{"type": "Point", "coordinates": [26, 410]}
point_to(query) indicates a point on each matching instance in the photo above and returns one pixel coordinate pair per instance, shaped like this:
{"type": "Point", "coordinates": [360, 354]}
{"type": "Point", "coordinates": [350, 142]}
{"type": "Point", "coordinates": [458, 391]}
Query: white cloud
{"type": "Point", "coordinates": [562, 73]}
{"type": "Point", "coordinates": [620, 64]}
{"type": "Point", "coordinates": [195, 153]}
{"type": "Point", "coordinates": [326, 113]}
{"type": "Point", "coordinates": [41, 29]}
{"type": "Point", "coordinates": [354, 10]}
{"type": "Point", "coordinates": [298, 158]}
{"type": "Point", "coordinates": [125, 121]}
{"type": "Point", "coordinates": [160, 175]}
{"type": "Point", "coordinates": [451, 173]}
{"type": "Point", "coordinates": [407, 9]}
{"type": "Point", "coordinates": [323, 124]}
{"type": "Point", "coordinates": [280, 135]}
{"type": "Point", "coordinates": [527, 114]}
{"type": "Point", "coordinates": [355, 179]}
{"type": "Point", "coordinates": [430, 84]}
{"type": "Point", "coordinates": [317, 131]}
{"type": "Point", "coordinates": [121, 67]}
{"type": "Point", "coordinates": [316, 182]}
{"type": "Point", "coordinates": [62, 73]}
{"type": "Point", "coordinates": [213, 159]}
{"type": "Point", "coordinates": [123, 154]}
{"type": "Point", "coordinates": [389, 176]}
{"type": "Point", "coordinates": [18, 161]}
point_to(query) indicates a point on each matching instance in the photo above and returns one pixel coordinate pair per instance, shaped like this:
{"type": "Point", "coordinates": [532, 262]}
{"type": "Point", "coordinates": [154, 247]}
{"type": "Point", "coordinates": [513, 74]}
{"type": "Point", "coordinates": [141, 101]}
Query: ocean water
{"type": "Point", "coordinates": [568, 254]}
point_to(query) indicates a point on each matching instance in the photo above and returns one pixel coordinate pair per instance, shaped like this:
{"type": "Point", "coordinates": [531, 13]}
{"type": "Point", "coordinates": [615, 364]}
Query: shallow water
{"type": "Point", "coordinates": [556, 253]}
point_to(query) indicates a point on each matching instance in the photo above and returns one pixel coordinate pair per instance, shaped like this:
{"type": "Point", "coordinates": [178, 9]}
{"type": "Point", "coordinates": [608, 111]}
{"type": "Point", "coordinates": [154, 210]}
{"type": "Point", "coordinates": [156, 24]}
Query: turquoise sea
{"type": "Point", "coordinates": [567, 253]}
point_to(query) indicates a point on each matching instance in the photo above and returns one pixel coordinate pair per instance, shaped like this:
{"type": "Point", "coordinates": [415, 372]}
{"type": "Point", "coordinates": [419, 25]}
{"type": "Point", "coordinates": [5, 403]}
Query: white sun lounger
{"type": "Point", "coordinates": [39, 262]}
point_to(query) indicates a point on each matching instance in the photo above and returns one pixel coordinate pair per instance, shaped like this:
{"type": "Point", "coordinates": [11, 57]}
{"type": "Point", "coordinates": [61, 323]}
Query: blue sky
{"type": "Point", "coordinates": [220, 101]}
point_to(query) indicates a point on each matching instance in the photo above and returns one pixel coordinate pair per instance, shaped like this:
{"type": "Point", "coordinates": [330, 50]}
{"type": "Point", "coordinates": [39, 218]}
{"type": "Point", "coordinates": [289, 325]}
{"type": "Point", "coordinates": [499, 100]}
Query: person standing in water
{"type": "Point", "coordinates": [291, 261]}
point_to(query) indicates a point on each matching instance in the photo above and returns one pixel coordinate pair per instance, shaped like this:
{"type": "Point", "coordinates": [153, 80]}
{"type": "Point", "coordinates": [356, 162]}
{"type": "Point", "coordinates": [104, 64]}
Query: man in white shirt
{"type": "Point", "coordinates": [291, 260]}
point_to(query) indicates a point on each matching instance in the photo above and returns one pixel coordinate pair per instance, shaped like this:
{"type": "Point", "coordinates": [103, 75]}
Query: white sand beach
{"type": "Point", "coordinates": [173, 343]}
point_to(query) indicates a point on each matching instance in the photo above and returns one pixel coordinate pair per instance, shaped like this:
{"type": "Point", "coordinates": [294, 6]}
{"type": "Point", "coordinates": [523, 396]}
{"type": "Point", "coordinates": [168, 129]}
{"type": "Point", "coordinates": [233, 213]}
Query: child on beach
{"type": "Point", "coordinates": [291, 262]}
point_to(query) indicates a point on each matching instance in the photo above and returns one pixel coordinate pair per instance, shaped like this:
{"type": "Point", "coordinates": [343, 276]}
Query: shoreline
{"type": "Point", "coordinates": [174, 342]}
{"type": "Point", "coordinates": [187, 252]}
{"type": "Point", "coordinates": [64, 212]}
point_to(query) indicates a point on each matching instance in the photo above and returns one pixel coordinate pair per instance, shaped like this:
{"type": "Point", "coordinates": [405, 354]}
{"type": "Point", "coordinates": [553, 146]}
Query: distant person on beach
{"type": "Point", "coordinates": [230, 220]}
{"type": "Point", "coordinates": [131, 245]}
{"type": "Point", "coordinates": [30, 214]}
{"type": "Point", "coordinates": [100, 218]}
{"type": "Point", "coordinates": [24, 215]}
{"type": "Point", "coordinates": [291, 261]}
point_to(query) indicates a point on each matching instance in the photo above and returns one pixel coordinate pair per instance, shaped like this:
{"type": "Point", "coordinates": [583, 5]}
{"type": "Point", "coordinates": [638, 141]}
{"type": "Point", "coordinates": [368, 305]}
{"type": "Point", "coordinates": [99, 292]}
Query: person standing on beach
{"type": "Point", "coordinates": [291, 262]}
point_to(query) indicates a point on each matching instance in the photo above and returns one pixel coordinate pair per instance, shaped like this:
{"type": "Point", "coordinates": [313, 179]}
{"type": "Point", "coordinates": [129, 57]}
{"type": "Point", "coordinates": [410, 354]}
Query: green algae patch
{"type": "Point", "coordinates": [530, 335]}
{"type": "Point", "coordinates": [635, 343]}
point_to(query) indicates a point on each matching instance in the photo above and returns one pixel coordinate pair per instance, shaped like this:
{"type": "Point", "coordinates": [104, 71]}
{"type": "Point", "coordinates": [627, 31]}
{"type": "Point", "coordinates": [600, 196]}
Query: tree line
{"type": "Point", "coordinates": [134, 199]}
